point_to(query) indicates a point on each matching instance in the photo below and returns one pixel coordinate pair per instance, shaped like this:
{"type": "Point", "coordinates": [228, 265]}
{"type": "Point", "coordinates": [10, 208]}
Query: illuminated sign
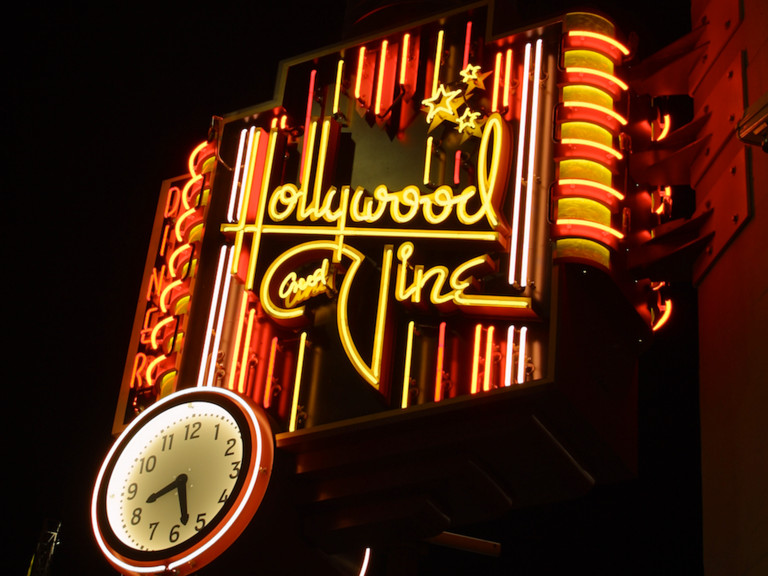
{"type": "Point", "coordinates": [383, 234]}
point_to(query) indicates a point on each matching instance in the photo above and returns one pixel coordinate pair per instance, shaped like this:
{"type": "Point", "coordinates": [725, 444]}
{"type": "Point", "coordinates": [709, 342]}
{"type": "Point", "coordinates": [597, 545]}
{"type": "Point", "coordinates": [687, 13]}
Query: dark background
{"type": "Point", "coordinates": [104, 103]}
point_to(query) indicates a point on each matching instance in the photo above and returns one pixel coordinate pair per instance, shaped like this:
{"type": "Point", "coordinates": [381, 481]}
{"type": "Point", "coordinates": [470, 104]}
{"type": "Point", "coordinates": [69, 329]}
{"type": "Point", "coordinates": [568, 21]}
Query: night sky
{"type": "Point", "coordinates": [104, 104]}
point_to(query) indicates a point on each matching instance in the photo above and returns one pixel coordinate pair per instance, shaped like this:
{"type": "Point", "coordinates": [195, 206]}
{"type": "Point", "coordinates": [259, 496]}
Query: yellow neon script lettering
{"type": "Point", "coordinates": [294, 290]}
{"type": "Point", "coordinates": [404, 205]}
{"type": "Point", "coordinates": [437, 274]}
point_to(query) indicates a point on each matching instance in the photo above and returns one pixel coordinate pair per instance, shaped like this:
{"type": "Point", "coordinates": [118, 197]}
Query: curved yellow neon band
{"type": "Point", "coordinates": [151, 368]}
{"type": "Point", "coordinates": [610, 77]}
{"type": "Point", "coordinates": [584, 142]}
{"type": "Point", "coordinates": [665, 316]}
{"type": "Point", "coordinates": [589, 224]}
{"type": "Point", "coordinates": [592, 184]}
{"type": "Point", "coordinates": [181, 219]}
{"type": "Point", "coordinates": [487, 176]}
{"type": "Point", "coordinates": [664, 128]}
{"type": "Point", "coordinates": [602, 37]}
{"type": "Point", "coordinates": [591, 106]}
{"type": "Point", "coordinates": [166, 291]}
{"type": "Point", "coordinates": [174, 256]}
{"type": "Point", "coordinates": [156, 330]}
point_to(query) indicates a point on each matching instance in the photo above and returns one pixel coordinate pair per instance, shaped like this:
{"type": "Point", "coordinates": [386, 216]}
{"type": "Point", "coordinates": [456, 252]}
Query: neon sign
{"type": "Point", "coordinates": [381, 235]}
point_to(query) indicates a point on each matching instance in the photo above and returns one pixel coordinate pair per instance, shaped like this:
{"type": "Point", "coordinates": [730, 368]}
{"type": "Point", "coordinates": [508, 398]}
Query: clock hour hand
{"type": "Point", "coordinates": [164, 490]}
{"type": "Point", "coordinates": [180, 485]}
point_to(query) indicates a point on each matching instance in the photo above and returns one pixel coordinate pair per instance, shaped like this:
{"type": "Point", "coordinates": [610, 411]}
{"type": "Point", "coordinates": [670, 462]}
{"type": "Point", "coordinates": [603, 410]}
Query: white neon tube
{"type": "Point", "coordinates": [531, 165]}
{"type": "Point", "coordinates": [519, 168]}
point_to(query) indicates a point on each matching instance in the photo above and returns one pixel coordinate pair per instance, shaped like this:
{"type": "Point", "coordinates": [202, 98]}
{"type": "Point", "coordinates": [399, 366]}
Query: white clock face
{"type": "Point", "coordinates": [174, 477]}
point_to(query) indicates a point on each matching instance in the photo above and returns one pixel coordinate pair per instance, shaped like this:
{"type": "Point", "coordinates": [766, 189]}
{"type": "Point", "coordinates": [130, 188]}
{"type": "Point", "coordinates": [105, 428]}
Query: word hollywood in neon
{"type": "Point", "coordinates": [380, 235]}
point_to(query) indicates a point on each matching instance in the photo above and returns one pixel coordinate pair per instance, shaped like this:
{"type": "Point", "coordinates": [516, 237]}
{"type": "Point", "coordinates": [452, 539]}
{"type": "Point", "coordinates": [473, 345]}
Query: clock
{"type": "Point", "coordinates": [181, 483]}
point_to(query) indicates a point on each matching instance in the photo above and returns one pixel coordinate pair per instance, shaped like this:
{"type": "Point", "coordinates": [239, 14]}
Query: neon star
{"type": "Point", "coordinates": [469, 73]}
{"type": "Point", "coordinates": [442, 105]}
{"type": "Point", "coordinates": [467, 121]}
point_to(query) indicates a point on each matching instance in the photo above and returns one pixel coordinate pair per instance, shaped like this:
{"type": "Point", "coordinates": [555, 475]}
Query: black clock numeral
{"type": "Point", "coordinates": [216, 434]}
{"type": "Point", "coordinates": [132, 490]}
{"type": "Point", "coordinates": [200, 522]}
{"type": "Point", "coordinates": [231, 443]}
{"type": "Point", "coordinates": [147, 464]}
{"type": "Point", "coordinates": [192, 431]}
{"type": "Point", "coordinates": [235, 469]}
{"type": "Point", "coordinates": [223, 497]}
{"type": "Point", "coordinates": [174, 535]}
{"type": "Point", "coordinates": [136, 516]}
{"type": "Point", "coordinates": [153, 526]}
{"type": "Point", "coordinates": [167, 442]}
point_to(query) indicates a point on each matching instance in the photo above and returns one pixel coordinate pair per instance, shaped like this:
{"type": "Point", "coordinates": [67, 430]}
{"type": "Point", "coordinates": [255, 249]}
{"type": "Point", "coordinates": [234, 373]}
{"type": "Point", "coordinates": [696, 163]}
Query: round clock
{"type": "Point", "coordinates": [182, 482]}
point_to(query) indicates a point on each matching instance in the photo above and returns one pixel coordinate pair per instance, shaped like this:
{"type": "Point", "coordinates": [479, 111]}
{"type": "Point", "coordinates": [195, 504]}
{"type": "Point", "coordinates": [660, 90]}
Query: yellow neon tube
{"type": "Point", "coordinates": [428, 160]}
{"type": "Point", "coordinates": [337, 89]}
{"type": "Point", "coordinates": [380, 79]}
{"type": "Point", "coordinates": [476, 358]}
{"type": "Point", "coordinates": [496, 83]}
{"type": "Point", "coordinates": [507, 77]}
{"type": "Point", "coordinates": [438, 61]}
{"type": "Point", "coordinates": [297, 382]}
{"type": "Point", "coordinates": [238, 337]}
{"type": "Point", "coordinates": [407, 367]}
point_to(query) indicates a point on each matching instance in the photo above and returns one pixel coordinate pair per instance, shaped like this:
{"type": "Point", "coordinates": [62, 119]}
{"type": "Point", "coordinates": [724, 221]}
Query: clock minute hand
{"type": "Point", "coordinates": [181, 485]}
